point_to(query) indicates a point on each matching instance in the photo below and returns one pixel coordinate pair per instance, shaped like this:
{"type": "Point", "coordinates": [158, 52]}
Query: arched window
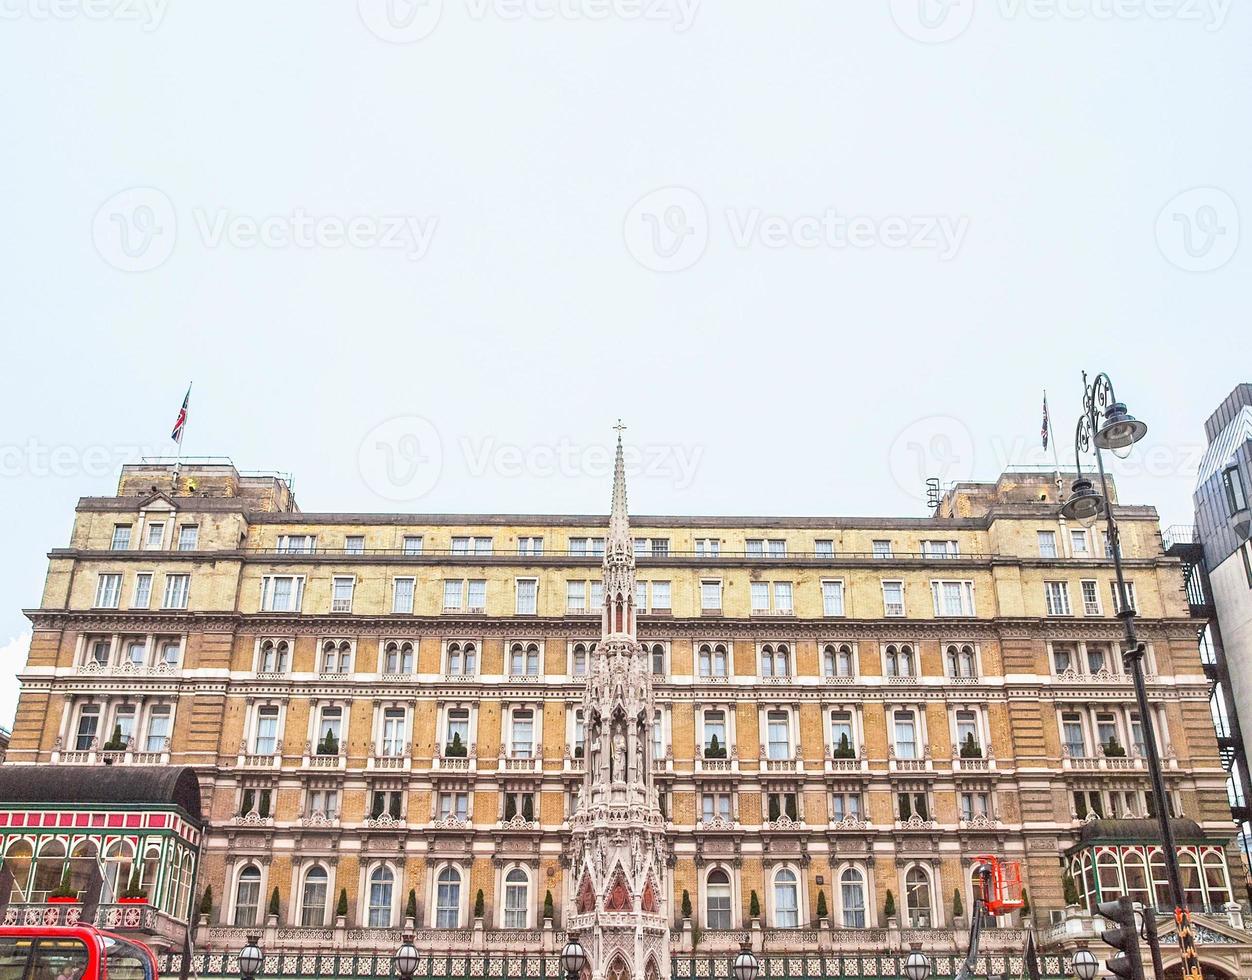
{"type": "Point", "coordinates": [516, 899]}
{"type": "Point", "coordinates": [899, 660]}
{"type": "Point", "coordinates": [313, 897]}
{"type": "Point", "coordinates": [248, 896]}
{"type": "Point", "coordinates": [1160, 883]}
{"type": "Point", "coordinates": [658, 659]}
{"type": "Point", "coordinates": [969, 663]}
{"type": "Point", "coordinates": [852, 898]}
{"type": "Point", "coordinates": [274, 656]}
{"type": "Point", "coordinates": [382, 883]}
{"type": "Point", "coordinates": [1189, 871]}
{"type": "Point", "coordinates": [917, 897]}
{"type": "Point", "coordinates": [330, 657]}
{"type": "Point", "coordinates": [1216, 880]}
{"type": "Point", "coordinates": [1108, 874]}
{"type": "Point", "coordinates": [118, 859]}
{"type": "Point", "coordinates": [82, 860]}
{"type": "Point", "coordinates": [18, 860]}
{"type": "Point", "coordinates": [712, 660]}
{"type": "Point", "coordinates": [524, 659]}
{"type": "Point", "coordinates": [49, 867]}
{"type": "Point", "coordinates": [579, 666]}
{"type": "Point", "coordinates": [448, 899]}
{"type": "Point", "coordinates": [837, 660]}
{"type": "Point", "coordinates": [786, 899]}
{"type": "Point", "coordinates": [717, 900]}
{"type": "Point", "coordinates": [1135, 866]}
{"type": "Point", "coordinates": [398, 658]}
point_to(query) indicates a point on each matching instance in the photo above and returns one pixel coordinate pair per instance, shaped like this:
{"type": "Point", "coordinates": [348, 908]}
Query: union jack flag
{"type": "Point", "coordinates": [181, 422]}
{"type": "Point", "coordinates": [1043, 432]}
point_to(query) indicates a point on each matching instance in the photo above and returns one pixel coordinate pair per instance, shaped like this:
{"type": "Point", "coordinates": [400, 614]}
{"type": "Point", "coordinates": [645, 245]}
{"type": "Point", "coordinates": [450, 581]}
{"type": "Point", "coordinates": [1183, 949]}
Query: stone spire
{"type": "Point", "coordinates": [617, 848]}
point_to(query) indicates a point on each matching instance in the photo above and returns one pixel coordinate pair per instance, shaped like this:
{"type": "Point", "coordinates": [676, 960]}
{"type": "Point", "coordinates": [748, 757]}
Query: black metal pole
{"type": "Point", "coordinates": [1133, 658]}
{"type": "Point", "coordinates": [1153, 940]}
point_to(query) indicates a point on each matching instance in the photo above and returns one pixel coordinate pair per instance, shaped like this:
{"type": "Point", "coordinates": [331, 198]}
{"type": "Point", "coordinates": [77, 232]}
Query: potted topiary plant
{"type": "Point", "coordinates": [844, 749]}
{"type": "Point", "coordinates": [329, 745]}
{"type": "Point", "coordinates": [206, 905]}
{"type": "Point", "coordinates": [970, 748]}
{"type": "Point", "coordinates": [686, 905]}
{"type": "Point", "coordinates": [480, 907]}
{"type": "Point", "coordinates": [456, 749]}
{"type": "Point", "coordinates": [822, 912]}
{"type": "Point", "coordinates": [135, 894]}
{"type": "Point", "coordinates": [549, 913]}
{"type": "Point", "coordinates": [754, 907]}
{"type": "Point", "coordinates": [715, 749]}
{"type": "Point", "coordinates": [64, 892]}
{"type": "Point", "coordinates": [410, 907]}
{"type": "Point", "coordinates": [889, 908]}
{"type": "Point", "coordinates": [341, 909]}
{"type": "Point", "coordinates": [116, 742]}
{"type": "Point", "coordinates": [958, 907]}
{"type": "Point", "coordinates": [271, 911]}
{"type": "Point", "coordinates": [1113, 749]}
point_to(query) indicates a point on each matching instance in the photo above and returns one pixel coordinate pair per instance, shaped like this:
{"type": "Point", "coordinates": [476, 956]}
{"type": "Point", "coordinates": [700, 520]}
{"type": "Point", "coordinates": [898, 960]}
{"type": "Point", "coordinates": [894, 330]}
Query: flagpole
{"type": "Point", "coordinates": [1056, 462]}
{"type": "Point", "coordinates": [182, 435]}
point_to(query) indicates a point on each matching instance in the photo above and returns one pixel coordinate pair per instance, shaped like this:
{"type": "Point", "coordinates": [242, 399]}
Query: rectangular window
{"type": "Point", "coordinates": [1071, 734]}
{"type": "Point", "coordinates": [760, 596]}
{"type": "Point", "coordinates": [457, 733]}
{"type": "Point", "coordinates": [597, 595]}
{"type": "Point", "coordinates": [1057, 596]}
{"type": "Point", "coordinates": [1047, 544]}
{"type": "Point", "coordinates": [297, 544]}
{"type": "Point", "coordinates": [708, 547]}
{"type": "Point", "coordinates": [966, 728]}
{"type": "Point", "coordinates": [841, 731]}
{"type": "Point", "coordinates": [715, 729]}
{"type": "Point", "coordinates": [782, 598]}
{"type": "Point", "coordinates": [641, 596]}
{"type": "Point", "coordinates": [460, 546]}
{"type": "Point", "coordinates": [478, 595]}
{"type": "Point", "coordinates": [843, 806]}
{"type": "Point", "coordinates": [393, 732]}
{"type": "Point", "coordinates": [779, 732]}
{"type": "Point", "coordinates": [523, 737]}
{"type": "Point", "coordinates": [711, 595]}
{"type": "Point", "coordinates": [158, 729]}
{"type": "Point", "coordinates": [341, 594]}
{"type": "Point", "coordinates": [454, 805]}
{"type": "Point", "coordinates": [755, 547]}
{"type": "Point", "coordinates": [402, 595]}
{"type": "Point", "coordinates": [660, 547]}
{"type": "Point", "coordinates": [660, 596]}
{"type": "Point", "coordinates": [1078, 542]}
{"type": "Point", "coordinates": [88, 723]}
{"type": "Point", "coordinates": [1236, 497]}
{"type": "Point", "coordinates": [530, 546]}
{"type": "Point", "coordinates": [527, 596]}
{"type": "Point", "coordinates": [354, 544]}
{"type": "Point", "coordinates": [412, 544]}
{"type": "Point", "coordinates": [713, 805]}
{"type": "Point", "coordinates": [893, 598]}
{"type": "Point", "coordinates": [108, 591]}
{"type": "Point", "coordinates": [974, 805]}
{"type": "Point", "coordinates": [824, 548]}
{"type": "Point", "coordinates": [453, 590]}
{"type": "Point", "coordinates": [643, 547]}
{"type": "Point", "coordinates": [832, 598]}
{"type": "Point", "coordinates": [576, 597]}
{"type": "Point", "coordinates": [940, 549]}
{"type": "Point", "coordinates": [1130, 596]}
{"type": "Point", "coordinates": [266, 740]}
{"type": "Point", "coordinates": [282, 593]}
{"type": "Point", "coordinates": [953, 598]}
{"type": "Point", "coordinates": [882, 548]}
{"type": "Point", "coordinates": [777, 548]}
{"type": "Point", "coordinates": [155, 536]}
{"type": "Point", "coordinates": [483, 546]}
{"type": "Point", "coordinates": [121, 537]}
{"type": "Point", "coordinates": [176, 589]}
{"type": "Point", "coordinates": [143, 591]}
{"type": "Point", "coordinates": [1090, 598]}
{"type": "Point", "coordinates": [188, 537]}
{"type": "Point", "coordinates": [905, 735]}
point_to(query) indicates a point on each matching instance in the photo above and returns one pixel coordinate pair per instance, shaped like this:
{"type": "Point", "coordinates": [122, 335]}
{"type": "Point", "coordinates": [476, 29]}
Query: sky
{"type": "Point", "coordinates": [422, 255]}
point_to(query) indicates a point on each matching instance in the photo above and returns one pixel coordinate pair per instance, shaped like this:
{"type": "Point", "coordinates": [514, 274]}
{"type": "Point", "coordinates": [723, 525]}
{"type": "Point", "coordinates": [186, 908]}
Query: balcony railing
{"type": "Point", "coordinates": [521, 762]}
{"type": "Point", "coordinates": [789, 766]}
{"type": "Point", "coordinates": [442, 762]}
{"type": "Point", "coordinates": [392, 756]}
{"type": "Point", "coordinates": [841, 765]}
{"type": "Point", "coordinates": [155, 753]}
{"type": "Point", "coordinates": [909, 764]}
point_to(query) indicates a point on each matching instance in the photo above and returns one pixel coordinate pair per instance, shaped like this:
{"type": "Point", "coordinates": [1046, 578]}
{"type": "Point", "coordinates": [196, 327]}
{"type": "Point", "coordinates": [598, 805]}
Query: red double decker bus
{"type": "Point", "coordinates": [72, 953]}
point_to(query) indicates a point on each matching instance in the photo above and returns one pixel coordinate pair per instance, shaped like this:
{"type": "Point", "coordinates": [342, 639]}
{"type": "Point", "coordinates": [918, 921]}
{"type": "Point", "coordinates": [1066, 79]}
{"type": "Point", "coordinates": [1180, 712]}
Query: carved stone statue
{"type": "Point", "coordinates": [619, 752]}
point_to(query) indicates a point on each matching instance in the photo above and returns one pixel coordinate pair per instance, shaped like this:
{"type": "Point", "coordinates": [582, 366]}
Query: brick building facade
{"type": "Point", "coordinates": [386, 705]}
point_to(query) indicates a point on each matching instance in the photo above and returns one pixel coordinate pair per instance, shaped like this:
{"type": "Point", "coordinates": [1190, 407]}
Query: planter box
{"type": "Point", "coordinates": [133, 901]}
{"type": "Point", "coordinates": [62, 899]}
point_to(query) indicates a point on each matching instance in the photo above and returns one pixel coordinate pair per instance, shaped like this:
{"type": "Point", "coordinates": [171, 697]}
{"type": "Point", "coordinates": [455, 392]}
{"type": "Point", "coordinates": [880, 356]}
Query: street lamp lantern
{"type": "Point", "coordinates": [746, 966]}
{"type": "Point", "coordinates": [1084, 964]}
{"type": "Point", "coordinates": [917, 966]}
{"type": "Point", "coordinates": [573, 957]}
{"type": "Point", "coordinates": [405, 958]}
{"type": "Point", "coordinates": [1085, 504]}
{"type": "Point", "coordinates": [1120, 430]}
{"type": "Point", "coordinates": [251, 959]}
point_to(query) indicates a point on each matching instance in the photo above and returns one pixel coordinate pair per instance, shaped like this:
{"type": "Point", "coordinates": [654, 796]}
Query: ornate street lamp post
{"type": "Point", "coordinates": [746, 966]}
{"type": "Point", "coordinates": [405, 958]}
{"type": "Point", "coordinates": [250, 959]}
{"type": "Point", "coordinates": [573, 957]}
{"type": "Point", "coordinates": [917, 965]}
{"type": "Point", "coordinates": [1084, 964]}
{"type": "Point", "coordinates": [1118, 433]}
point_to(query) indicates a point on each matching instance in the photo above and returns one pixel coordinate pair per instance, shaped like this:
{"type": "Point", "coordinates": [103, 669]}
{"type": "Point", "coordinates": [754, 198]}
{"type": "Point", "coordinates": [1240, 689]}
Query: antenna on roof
{"type": "Point", "coordinates": [932, 492]}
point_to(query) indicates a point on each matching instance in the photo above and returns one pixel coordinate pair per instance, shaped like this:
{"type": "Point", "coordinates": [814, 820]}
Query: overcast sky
{"type": "Point", "coordinates": [423, 255]}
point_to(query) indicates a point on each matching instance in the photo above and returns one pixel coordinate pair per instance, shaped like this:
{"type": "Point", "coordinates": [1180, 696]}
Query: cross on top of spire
{"type": "Point", "coordinates": [619, 521]}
